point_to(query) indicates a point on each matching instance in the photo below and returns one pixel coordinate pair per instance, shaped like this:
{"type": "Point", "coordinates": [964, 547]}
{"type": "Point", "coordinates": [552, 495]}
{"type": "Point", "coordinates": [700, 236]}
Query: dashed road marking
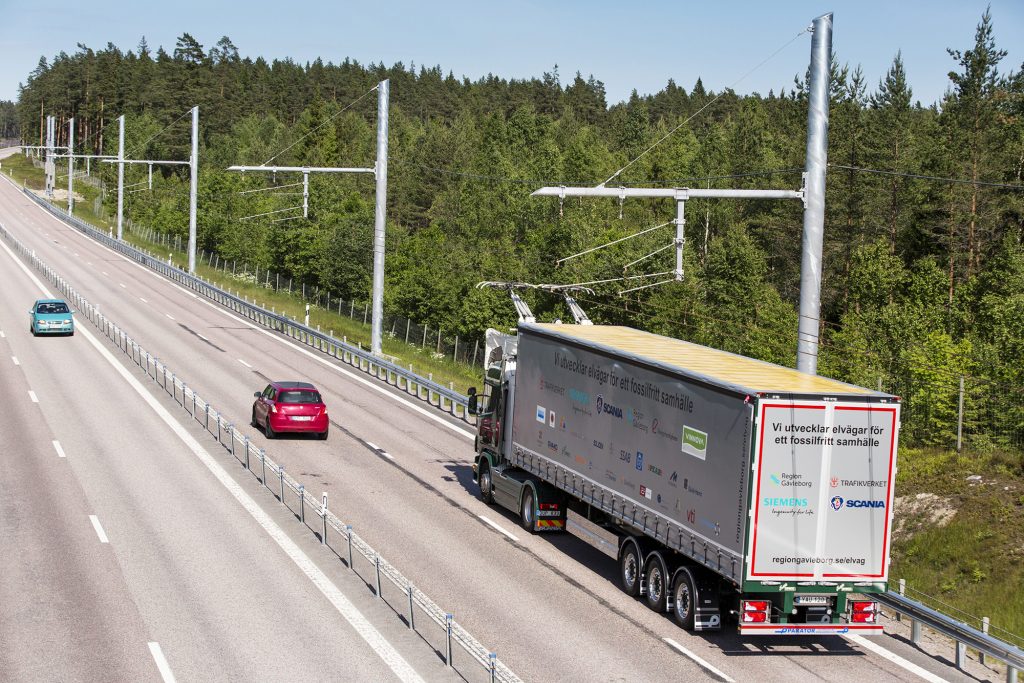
{"type": "Point", "coordinates": [496, 527]}
{"type": "Point", "coordinates": [161, 663]}
{"type": "Point", "coordinates": [169, 316]}
{"type": "Point", "coordinates": [869, 644]}
{"type": "Point", "coordinates": [15, 359]}
{"type": "Point", "coordinates": [143, 300]}
{"type": "Point", "coordinates": [380, 451]}
{"type": "Point", "coordinates": [32, 395]}
{"type": "Point", "coordinates": [123, 285]}
{"type": "Point", "coordinates": [57, 447]}
{"type": "Point", "coordinates": [700, 662]}
{"type": "Point", "coordinates": [244, 363]}
{"type": "Point", "coordinates": [99, 529]}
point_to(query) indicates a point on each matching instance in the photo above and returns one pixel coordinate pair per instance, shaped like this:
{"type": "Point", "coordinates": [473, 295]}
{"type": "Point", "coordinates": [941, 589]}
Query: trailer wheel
{"type": "Point", "coordinates": [629, 569]}
{"type": "Point", "coordinates": [526, 512]}
{"type": "Point", "coordinates": [486, 485]}
{"type": "Point", "coordinates": [684, 598]}
{"type": "Point", "coordinates": [657, 583]}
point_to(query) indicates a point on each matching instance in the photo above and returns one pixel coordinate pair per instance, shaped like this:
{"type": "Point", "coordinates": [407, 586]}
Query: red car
{"type": "Point", "coordinates": [290, 407]}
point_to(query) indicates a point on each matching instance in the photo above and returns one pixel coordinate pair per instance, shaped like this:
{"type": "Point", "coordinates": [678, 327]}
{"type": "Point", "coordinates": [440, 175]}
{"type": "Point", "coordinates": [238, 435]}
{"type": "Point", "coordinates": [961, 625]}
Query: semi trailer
{"type": "Point", "coordinates": [736, 490]}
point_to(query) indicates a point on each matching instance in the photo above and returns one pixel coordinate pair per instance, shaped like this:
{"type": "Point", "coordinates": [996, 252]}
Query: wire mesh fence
{"type": "Point", "coordinates": [438, 628]}
{"type": "Point", "coordinates": [431, 339]}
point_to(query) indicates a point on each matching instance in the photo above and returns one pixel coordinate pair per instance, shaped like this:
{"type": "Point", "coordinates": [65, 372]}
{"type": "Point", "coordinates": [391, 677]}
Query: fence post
{"type": "Point", "coordinates": [323, 539]}
{"type": "Point", "coordinates": [247, 453]}
{"type": "Point", "coordinates": [408, 324]}
{"type": "Point", "coordinates": [280, 473]}
{"type": "Point", "coordinates": [412, 615]}
{"type": "Point", "coordinates": [985, 621]}
{"type": "Point", "coordinates": [961, 655]}
{"type": "Point", "coordinates": [960, 417]}
{"type": "Point", "coordinates": [493, 660]}
{"type": "Point", "coordinates": [376, 564]}
{"type": "Point", "coordinates": [263, 466]}
{"type": "Point", "coordinates": [302, 503]}
{"type": "Point", "coordinates": [903, 591]}
{"type": "Point", "coordinates": [348, 532]}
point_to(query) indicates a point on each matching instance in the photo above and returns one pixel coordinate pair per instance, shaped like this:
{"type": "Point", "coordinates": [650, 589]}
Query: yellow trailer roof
{"type": "Point", "coordinates": [712, 363]}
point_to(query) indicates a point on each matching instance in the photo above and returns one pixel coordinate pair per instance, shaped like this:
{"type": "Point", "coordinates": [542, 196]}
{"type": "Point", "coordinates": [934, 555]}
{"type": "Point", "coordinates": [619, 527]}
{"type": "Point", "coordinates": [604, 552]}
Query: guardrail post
{"type": "Point", "coordinates": [376, 565]}
{"type": "Point", "coordinates": [915, 631]}
{"type": "Point", "coordinates": [263, 466]}
{"type": "Point", "coordinates": [218, 429]}
{"type": "Point", "coordinates": [961, 655]}
{"type": "Point", "coordinates": [412, 615]}
{"type": "Point", "coordinates": [280, 473]}
{"type": "Point", "coordinates": [302, 503]}
{"type": "Point", "coordinates": [246, 452]}
{"type": "Point", "coordinates": [348, 532]}
{"type": "Point", "coordinates": [231, 438]}
{"type": "Point", "coordinates": [1011, 674]}
{"type": "Point", "coordinates": [985, 621]}
{"type": "Point", "coordinates": [493, 661]}
{"type": "Point", "coordinates": [903, 591]}
{"type": "Point", "coordinates": [448, 638]}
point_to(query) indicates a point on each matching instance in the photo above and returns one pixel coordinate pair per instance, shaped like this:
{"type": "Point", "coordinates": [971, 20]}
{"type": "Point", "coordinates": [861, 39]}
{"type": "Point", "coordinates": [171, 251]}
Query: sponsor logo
{"type": "Point", "coordinates": [868, 483]}
{"type": "Point", "coordinates": [673, 479]}
{"type": "Point", "coordinates": [607, 408]}
{"type": "Point", "coordinates": [639, 461]}
{"type": "Point", "coordinates": [551, 419]}
{"type": "Point", "coordinates": [695, 491]}
{"type": "Point", "coordinates": [790, 480]}
{"type": "Point", "coordinates": [542, 415]}
{"type": "Point", "coordinates": [784, 502]}
{"type": "Point", "coordinates": [580, 460]}
{"type": "Point", "coordinates": [561, 423]}
{"type": "Point", "coordinates": [713, 526]}
{"type": "Point", "coordinates": [581, 397]}
{"type": "Point", "coordinates": [552, 446]}
{"type": "Point", "coordinates": [628, 484]}
{"type": "Point", "coordinates": [646, 492]}
{"type": "Point", "coordinates": [658, 497]}
{"type": "Point", "coordinates": [599, 445]}
{"type": "Point", "coordinates": [636, 418]}
{"type": "Point", "coordinates": [691, 516]}
{"type": "Point", "coordinates": [836, 502]}
{"type": "Point", "coordinates": [834, 481]}
{"type": "Point", "coordinates": [611, 476]}
{"type": "Point", "coordinates": [566, 452]}
{"type": "Point", "coordinates": [553, 388]}
{"type": "Point", "coordinates": [654, 469]}
{"type": "Point", "coordinates": [695, 442]}
{"type": "Point", "coordinates": [878, 504]}
{"type": "Point", "coordinates": [656, 429]}
{"type": "Point", "coordinates": [625, 456]}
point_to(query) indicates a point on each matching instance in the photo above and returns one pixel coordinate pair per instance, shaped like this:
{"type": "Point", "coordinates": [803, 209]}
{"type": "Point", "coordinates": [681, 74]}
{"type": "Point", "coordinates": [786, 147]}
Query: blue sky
{"type": "Point", "coordinates": [627, 45]}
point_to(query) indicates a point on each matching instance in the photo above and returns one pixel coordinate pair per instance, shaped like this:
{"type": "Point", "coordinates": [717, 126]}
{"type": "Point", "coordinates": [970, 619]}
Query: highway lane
{"type": "Point", "coordinates": [418, 509]}
{"type": "Point", "coordinates": [121, 538]}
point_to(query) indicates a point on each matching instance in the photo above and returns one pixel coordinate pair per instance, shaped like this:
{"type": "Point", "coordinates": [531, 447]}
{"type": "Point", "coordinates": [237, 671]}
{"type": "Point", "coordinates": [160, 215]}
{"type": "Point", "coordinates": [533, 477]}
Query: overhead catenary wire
{"type": "Point", "coordinates": [331, 118]}
{"type": "Point", "coordinates": [717, 97]}
{"type": "Point", "coordinates": [155, 135]}
{"type": "Point", "coordinates": [917, 176]}
{"type": "Point", "coordinates": [608, 244]}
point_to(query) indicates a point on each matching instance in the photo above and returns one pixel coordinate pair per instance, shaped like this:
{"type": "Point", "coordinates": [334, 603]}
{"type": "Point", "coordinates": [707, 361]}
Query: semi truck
{"type": "Point", "coordinates": [736, 490]}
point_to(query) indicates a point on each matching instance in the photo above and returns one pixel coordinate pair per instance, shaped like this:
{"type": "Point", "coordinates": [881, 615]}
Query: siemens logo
{"type": "Point", "coordinates": [784, 502]}
{"type": "Point", "coordinates": [605, 407]}
{"type": "Point", "coordinates": [581, 397]}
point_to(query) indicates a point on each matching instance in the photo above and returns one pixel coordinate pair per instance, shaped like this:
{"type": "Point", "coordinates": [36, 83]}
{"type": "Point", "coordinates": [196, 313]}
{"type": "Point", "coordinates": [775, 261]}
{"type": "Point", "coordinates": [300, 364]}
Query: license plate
{"type": "Point", "coordinates": [302, 418]}
{"type": "Point", "coordinates": [811, 600]}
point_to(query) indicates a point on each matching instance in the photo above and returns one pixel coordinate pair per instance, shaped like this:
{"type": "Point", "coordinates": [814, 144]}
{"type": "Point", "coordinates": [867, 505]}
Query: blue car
{"type": "Point", "coordinates": [51, 316]}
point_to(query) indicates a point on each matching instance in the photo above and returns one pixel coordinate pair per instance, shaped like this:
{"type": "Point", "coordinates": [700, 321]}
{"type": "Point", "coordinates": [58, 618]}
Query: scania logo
{"type": "Point", "coordinates": [605, 407]}
{"type": "Point", "coordinates": [837, 502]}
{"type": "Point", "coordinates": [879, 504]}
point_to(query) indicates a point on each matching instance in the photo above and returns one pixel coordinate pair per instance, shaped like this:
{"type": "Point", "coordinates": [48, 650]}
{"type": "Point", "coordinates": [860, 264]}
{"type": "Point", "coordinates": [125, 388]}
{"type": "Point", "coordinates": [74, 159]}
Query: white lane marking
{"type": "Point", "coordinates": [105, 273]}
{"type": "Point", "coordinates": [161, 663]}
{"type": "Point", "coordinates": [244, 363]}
{"type": "Point", "coordinates": [32, 395]}
{"type": "Point", "coordinates": [99, 529]}
{"type": "Point", "coordinates": [143, 300]}
{"type": "Point", "coordinates": [202, 337]}
{"type": "Point", "coordinates": [2, 335]}
{"type": "Point", "coordinates": [16, 361]}
{"type": "Point", "coordinates": [869, 644]}
{"type": "Point", "coordinates": [169, 316]}
{"type": "Point", "coordinates": [700, 662]}
{"type": "Point", "coordinates": [351, 614]}
{"type": "Point", "coordinates": [123, 285]}
{"type": "Point", "coordinates": [380, 451]}
{"type": "Point", "coordinates": [60, 451]}
{"type": "Point", "coordinates": [282, 340]}
{"type": "Point", "coordinates": [497, 528]}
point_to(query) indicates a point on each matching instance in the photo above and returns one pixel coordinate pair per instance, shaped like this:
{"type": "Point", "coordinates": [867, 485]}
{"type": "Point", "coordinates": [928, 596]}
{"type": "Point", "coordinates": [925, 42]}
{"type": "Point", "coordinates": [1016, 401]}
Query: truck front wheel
{"type": "Point", "coordinates": [684, 597]}
{"type": "Point", "coordinates": [629, 569]}
{"type": "Point", "coordinates": [486, 485]}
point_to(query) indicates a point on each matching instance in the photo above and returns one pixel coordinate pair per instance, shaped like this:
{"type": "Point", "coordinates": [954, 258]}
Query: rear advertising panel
{"type": "Point", "coordinates": [823, 490]}
{"type": "Point", "coordinates": [675, 448]}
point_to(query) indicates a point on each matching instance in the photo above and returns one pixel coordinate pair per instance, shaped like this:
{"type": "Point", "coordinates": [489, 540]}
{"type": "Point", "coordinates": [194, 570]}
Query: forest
{"type": "Point", "coordinates": [923, 278]}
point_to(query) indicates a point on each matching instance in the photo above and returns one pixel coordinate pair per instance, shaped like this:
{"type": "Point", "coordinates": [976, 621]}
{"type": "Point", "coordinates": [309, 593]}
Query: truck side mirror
{"type": "Point", "coordinates": [472, 407]}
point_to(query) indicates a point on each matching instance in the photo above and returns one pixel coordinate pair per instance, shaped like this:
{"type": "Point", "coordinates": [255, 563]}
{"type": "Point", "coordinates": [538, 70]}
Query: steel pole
{"type": "Point", "coordinates": [680, 236]}
{"type": "Point", "coordinates": [193, 162]}
{"type": "Point", "coordinates": [814, 196]}
{"type": "Point", "coordinates": [381, 169]}
{"type": "Point", "coordinates": [71, 166]}
{"type": "Point", "coordinates": [120, 177]}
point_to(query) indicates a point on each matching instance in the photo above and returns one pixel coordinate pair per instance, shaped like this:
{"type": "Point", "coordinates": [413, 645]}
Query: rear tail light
{"type": "Point", "coordinates": [754, 611]}
{"type": "Point", "coordinates": [863, 611]}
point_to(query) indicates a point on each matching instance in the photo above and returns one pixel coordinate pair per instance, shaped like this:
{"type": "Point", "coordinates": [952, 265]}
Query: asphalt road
{"type": "Point", "coordinates": [400, 473]}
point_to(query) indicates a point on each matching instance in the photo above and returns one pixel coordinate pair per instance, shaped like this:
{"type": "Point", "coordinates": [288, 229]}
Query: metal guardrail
{"type": "Point", "coordinates": [964, 634]}
{"type": "Point", "coordinates": [408, 599]}
{"type": "Point", "coordinates": [445, 398]}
